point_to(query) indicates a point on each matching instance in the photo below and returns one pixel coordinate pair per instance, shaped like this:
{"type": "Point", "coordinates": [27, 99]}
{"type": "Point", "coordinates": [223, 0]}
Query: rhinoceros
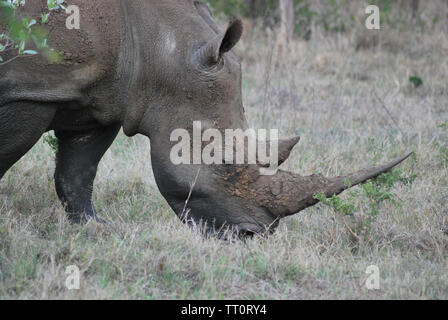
{"type": "Point", "coordinates": [149, 67]}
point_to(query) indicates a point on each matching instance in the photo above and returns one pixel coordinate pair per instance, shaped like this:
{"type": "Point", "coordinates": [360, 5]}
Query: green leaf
{"type": "Point", "coordinates": [52, 141]}
{"type": "Point", "coordinates": [31, 23]}
{"type": "Point", "coordinates": [21, 46]}
{"type": "Point", "coordinates": [30, 52]}
{"type": "Point", "coordinates": [416, 81]}
{"type": "Point", "coordinates": [44, 17]}
{"type": "Point", "coordinates": [53, 56]}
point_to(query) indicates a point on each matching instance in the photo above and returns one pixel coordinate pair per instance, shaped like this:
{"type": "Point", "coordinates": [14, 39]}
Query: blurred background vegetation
{"type": "Point", "coordinates": [330, 15]}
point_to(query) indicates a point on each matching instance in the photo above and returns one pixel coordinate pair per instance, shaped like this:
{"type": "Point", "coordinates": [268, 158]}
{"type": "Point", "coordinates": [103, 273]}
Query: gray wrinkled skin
{"type": "Point", "coordinates": [149, 67]}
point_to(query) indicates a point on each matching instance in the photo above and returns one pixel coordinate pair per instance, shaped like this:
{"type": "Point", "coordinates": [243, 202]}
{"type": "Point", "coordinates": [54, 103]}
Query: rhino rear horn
{"type": "Point", "coordinates": [211, 53]}
{"type": "Point", "coordinates": [285, 147]}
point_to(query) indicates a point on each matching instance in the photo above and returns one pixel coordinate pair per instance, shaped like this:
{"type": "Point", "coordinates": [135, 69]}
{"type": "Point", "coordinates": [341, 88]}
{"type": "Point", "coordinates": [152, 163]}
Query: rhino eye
{"type": "Point", "coordinates": [213, 68]}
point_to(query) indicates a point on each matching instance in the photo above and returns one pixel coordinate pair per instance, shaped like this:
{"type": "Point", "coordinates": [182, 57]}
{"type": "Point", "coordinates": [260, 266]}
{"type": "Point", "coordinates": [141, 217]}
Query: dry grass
{"type": "Point", "coordinates": [334, 97]}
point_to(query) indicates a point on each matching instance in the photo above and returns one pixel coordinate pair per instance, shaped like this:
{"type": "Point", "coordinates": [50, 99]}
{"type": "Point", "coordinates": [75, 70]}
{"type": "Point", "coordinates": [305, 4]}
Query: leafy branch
{"type": "Point", "coordinates": [17, 33]}
{"type": "Point", "coordinates": [374, 192]}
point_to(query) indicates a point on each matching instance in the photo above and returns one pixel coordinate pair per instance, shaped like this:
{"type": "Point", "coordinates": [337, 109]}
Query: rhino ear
{"type": "Point", "coordinates": [231, 36]}
{"type": "Point", "coordinates": [211, 53]}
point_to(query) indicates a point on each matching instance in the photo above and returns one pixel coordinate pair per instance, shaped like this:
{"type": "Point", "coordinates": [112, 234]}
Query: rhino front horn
{"type": "Point", "coordinates": [287, 193]}
{"type": "Point", "coordinates": [211, 53]}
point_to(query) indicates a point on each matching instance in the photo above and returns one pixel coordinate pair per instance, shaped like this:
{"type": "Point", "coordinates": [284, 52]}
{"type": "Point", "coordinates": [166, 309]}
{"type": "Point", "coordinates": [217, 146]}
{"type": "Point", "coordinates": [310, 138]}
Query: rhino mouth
{"type": "Point", "coordinates": [223, 217]}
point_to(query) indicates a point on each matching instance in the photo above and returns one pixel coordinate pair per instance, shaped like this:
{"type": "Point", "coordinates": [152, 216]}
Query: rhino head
{"type": "Point", "coordinates": [205, 85]}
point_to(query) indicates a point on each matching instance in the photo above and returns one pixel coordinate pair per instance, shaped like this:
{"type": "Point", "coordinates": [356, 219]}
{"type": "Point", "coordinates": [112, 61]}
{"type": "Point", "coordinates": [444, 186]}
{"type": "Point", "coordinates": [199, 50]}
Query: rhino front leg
{"type": "Point", "coordinates": [76, 164]}
{"type": "Point", "coordinates": [22, 123]}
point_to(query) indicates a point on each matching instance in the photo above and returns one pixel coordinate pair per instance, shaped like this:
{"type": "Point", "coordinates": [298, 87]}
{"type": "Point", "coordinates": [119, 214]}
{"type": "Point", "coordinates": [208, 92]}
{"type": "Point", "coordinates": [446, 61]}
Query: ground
{"type": "Point", "coordinates": [352, 108]}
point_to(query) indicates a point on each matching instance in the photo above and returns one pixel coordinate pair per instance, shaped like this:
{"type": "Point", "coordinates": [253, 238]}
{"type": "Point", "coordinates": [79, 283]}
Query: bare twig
{"type": "Point", "coordinates": [351, 231]}
{"type": "Point", "coordinates": [185, 211]}
{"type": "Point", "coordinates": [8, 61]}
{"type": "Point", "coordinates": [383, 105]}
